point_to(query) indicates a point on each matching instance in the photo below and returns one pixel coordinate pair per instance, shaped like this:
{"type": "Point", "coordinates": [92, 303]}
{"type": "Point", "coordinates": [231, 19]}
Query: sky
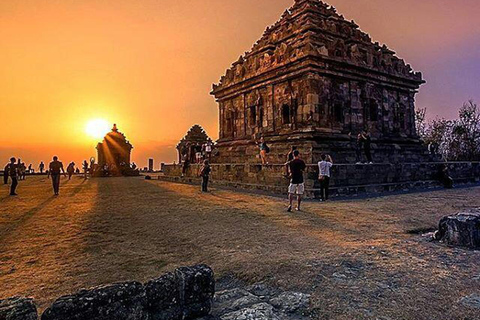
{"type": "Point", "coordinates": [148, 65]}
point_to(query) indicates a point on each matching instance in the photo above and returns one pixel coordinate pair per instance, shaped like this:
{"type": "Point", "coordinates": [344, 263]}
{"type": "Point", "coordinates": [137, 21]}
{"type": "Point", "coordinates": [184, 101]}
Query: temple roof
{"type": "Point", "coordinates": [312, 28]}
{"type": "Point", "coordinates": [116, 137]}
{"type": "Point", "coordinates": [196, 134]}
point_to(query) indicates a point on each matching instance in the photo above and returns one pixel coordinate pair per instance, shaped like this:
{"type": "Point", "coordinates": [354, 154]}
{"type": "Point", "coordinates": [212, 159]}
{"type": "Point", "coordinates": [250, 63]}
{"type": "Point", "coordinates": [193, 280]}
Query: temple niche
{"type": "Point", "coordinates": [312, 79]}
{"type": "Point", "coordinates": [114, 155]}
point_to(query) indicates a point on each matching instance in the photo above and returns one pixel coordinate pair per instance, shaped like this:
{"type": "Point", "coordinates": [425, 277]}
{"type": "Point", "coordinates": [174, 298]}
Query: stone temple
{"type": "Point", "coordinates": [114, 155]}
{"type": "Point", "coordinates": [312, 79]}
{"type": "Point", "coordinates": [315, 81]}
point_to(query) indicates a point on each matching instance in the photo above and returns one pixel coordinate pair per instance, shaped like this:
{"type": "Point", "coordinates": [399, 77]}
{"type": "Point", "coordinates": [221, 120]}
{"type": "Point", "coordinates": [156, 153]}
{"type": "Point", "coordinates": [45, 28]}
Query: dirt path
{"type": "Point", "coordinates": [354, 256]}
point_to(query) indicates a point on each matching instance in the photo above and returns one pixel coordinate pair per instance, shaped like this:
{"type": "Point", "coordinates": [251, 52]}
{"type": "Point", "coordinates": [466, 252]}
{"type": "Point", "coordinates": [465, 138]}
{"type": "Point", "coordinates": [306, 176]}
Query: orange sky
{"type": "Point", "coordinates": [148, 65]}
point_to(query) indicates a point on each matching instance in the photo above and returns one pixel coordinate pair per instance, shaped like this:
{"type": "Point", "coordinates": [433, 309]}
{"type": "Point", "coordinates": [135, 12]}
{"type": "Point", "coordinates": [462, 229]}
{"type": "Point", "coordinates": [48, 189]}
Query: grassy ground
{"type": "Point", "coordinates": [361, 259]}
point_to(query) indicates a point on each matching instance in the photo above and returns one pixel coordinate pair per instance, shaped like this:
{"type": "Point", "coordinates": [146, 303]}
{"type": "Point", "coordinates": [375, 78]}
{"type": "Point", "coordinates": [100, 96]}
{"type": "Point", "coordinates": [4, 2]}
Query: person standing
{"type": "Point", "coordinates": [297, 186]}
{"type": "Point", "coordinates": [6, 172]}
{"type": "Point", "coordinates": [289, 158]}
{"type": "Point", "coordinates": [264, 150]}
{"type": "Point", "coordinates": [205, 174]}
{"type": "Point", "coordinates": [13, 172]}
{"type": "Point", "coordinates": [41, 167]}
{"type": "Point", "coordinates": [324, 167]}
{"type": "Point", "coordinates": [85, 169]}
{"type": "Point", "coordinates": [70, 170]}
{"type": "Point", "coordinates": [55, 168]}
{"type": "Point", "coordinates": [367, 146]}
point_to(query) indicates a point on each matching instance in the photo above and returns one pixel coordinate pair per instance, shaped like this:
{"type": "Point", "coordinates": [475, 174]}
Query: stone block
{"type": "Point", "coordinates": [163, 298]}
{"type": "Point", "coordinates": [462, 229]}
{"type": "Point", "coordinates": [197, 288]}
{"type": "Point", "coordinates": [18, 308]}
{"type": "Point", "coordinates": [122, 301]}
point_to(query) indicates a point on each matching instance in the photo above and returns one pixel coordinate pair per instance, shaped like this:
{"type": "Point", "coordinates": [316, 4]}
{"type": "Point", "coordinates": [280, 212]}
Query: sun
{"type": "Point", "coordinates": [97, 128]}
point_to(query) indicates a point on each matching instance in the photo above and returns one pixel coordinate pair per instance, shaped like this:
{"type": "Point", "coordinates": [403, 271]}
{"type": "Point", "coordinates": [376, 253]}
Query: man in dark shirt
{"type": "Point", "coordinates": [297, 186]}
{"type": "Point", "coordinates": [205, 174]}
{"type": "Point", "coordinates": [13, 173]}
{"type": "Point", "coordinates": [55, 168]}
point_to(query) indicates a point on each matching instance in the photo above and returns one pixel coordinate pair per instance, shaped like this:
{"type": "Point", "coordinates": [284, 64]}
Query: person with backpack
{"type": "Point", "coordinates": [264, 151]}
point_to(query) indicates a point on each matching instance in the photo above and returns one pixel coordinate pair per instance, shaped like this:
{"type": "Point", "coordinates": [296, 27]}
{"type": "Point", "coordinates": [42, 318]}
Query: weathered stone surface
{"type": "Point", "coordinates": [18, 308]}
{"type": "Point", "coordinates": [185, 294]}
{"type": "Point", "coordinates": [123, 301]}
{"type": "Point", "coordinates": [197, 287]}
{"type": "Point", "coordinates": [291, 302]}
{"type": "Point", "coordinates": [234, 299]}
{"type": "Point", "coordinates": [163, 298]}
{"type": "Point", "coordinates": [261, 311]}
{"type": "Point", "coordinates": [472, 301]}
{"type": "Point", "coordinates": [462, 229]}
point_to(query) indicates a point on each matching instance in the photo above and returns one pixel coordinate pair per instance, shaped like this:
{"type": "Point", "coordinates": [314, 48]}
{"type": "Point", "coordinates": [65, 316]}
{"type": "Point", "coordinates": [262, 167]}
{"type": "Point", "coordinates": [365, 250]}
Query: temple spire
{"type": "Point", "coordinates": [114, 129]}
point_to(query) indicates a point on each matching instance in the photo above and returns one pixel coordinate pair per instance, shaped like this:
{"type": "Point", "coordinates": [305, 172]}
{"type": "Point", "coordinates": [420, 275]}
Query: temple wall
{"type": "Point", "coordinates": [322, 103]}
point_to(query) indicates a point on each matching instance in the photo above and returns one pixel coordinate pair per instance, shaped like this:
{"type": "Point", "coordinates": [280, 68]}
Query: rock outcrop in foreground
{"type": "Point", "coordinates": [184, 294]}
{"type": "Point", "coordinates": [461, 229]}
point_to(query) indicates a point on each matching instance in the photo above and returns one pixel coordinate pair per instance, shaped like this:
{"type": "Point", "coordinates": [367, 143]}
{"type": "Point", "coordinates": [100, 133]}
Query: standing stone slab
{"type": "Point", "coordinates": [163, 298]}
{"type": "Point", "coordinates": [462, 229]}
{"type": "Point", "coordinates": [197, 288]}
{"type": "Point", "coordinates": [17, 308]}
{"type": "Point", "coordinates": [123, 301]}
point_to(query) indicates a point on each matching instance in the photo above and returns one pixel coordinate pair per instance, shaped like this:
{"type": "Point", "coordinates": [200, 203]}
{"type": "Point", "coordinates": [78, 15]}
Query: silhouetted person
{"type": "Point", "coordinates": [6, 173]}
{"type": "Point", "coordinates": [185, 165]}
{"type": "Point", "coordinates": [54, 170]}
{"type": "Point", "coordinates": [297, 185]}
{"type": "Point", "coordinates": [41, 167]}
{"type": "Point", "coordinates": [324, 167]}
{"type": "Point", "coordinates": [205, 174]}
{"type": "Point", "coordinates": [367, 146]}
{"type": "Point", "coordinates": [30, 169]}
{"type": "Point", "coordinates": [444, 177]}
{"type": "Point", "coordinates": [85, 169]}
{"type": "Point", "coordinates": [358, 145]}
{"type": "Point", "coordinates": [70, 170]}
{"type": "Point", "coordinates": [13, 173]}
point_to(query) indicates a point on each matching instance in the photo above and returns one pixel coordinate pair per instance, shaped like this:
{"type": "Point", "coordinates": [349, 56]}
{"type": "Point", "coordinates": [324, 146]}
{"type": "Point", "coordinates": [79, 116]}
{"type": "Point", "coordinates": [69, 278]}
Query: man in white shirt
{"type": "Point", "coordinates": [324, 167]}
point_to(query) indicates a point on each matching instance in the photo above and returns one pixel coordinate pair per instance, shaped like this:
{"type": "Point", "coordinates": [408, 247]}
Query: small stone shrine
{"type": "Point", "coordinates": [312, 79]}
{"type": "Point", "coordinates": [192, 143]}
{"type": "Point", "coordinates": [114, 155]}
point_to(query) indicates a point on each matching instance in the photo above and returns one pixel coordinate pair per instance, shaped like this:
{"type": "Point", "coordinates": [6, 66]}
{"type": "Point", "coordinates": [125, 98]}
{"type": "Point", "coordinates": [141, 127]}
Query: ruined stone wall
{"type": "Point", "coordinates": [186, 294]}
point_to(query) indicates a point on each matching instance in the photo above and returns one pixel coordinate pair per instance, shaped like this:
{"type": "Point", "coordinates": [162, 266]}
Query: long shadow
{"type": "Point", "coordinates": [12, 227]}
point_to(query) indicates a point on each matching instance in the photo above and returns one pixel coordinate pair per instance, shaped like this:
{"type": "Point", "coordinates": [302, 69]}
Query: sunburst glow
{"type": "Point", "coordinates": [97, 128]}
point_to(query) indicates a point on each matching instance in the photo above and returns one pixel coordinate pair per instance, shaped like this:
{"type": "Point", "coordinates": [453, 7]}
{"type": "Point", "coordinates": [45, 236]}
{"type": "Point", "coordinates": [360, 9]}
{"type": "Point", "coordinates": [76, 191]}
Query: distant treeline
{"type": "Point", "coordinates": [455, 140]}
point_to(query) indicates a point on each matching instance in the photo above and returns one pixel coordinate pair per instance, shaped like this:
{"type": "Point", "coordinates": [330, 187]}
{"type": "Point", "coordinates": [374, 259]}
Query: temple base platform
{"type": "Point", "coordinates": [347, 179]}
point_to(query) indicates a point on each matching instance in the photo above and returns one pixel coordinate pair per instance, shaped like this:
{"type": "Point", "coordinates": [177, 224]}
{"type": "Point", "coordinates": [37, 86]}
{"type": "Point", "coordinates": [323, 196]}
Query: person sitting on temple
{"type": "Point", "coordinates": [264, 151]}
